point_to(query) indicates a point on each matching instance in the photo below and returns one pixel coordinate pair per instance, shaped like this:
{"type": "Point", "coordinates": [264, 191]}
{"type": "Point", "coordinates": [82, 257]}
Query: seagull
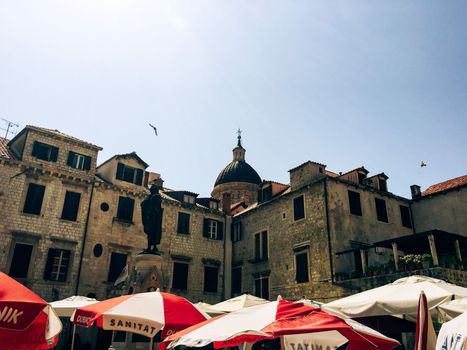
{"type": "Point", "coordinates": [152, 126]}
{"type": "Point", "coordinates": [422, 164]}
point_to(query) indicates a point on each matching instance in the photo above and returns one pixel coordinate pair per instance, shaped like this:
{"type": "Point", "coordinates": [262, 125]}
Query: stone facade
{"type": "Point", "coordinates": [31, 237]}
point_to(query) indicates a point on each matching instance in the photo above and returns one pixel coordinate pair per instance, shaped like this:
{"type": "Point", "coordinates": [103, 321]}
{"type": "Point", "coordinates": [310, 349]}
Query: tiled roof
{"type": "Point", "coordinates": [446, 185]}
{"type": "Point", "coordinates": [60, 134]}
{"type": "Point", "coordinates": [4, 152]}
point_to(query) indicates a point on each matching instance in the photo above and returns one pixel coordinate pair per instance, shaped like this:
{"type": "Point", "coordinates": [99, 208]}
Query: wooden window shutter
{"type": "Point", "coordinates": [257, 247]}
{"type": "Point", "coordinates": [264, 250]}
{"type": "Point", "coordinates": [87, 163]}
{"type": "Point", "coordinates": [71, 156]}
{"type": "Point", "coordinates": [35, 146]}
{"type": "Point", "coordinates": [53, 154]}
{"type": "Point", "coordinates": [139, 177]}
{"type": "Point", "coordinates": [220, 230]}
{"type": "Point", "coordinates": [206, 228]}
{"type": "Point", "coordinates": [120, 169]}
{"type": "Point", "coordinates": [48, 265]}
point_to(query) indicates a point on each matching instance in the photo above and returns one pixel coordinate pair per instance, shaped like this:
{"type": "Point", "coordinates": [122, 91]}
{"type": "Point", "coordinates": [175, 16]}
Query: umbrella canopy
{"type": "Point", "coordinates": [399, 297]}
{"type": "Point", "coordinates": [425, 337]}
{"type": "Point", "coordinates": [143, 313]}
{"type": "Point", "coordinates": [452, 309]}
{"type": "Point", "coordinates": [279, 318]}
{"type": "Point", "coordinates": [26, 320]}
{"type": "Point", "coordinates": [207, 309]}
{"type": "Point", "coordinates": [453, 334]}
{"type": "Point", "coordinates": [237, 303]}
{"type": "Point", "coordinates": [66, 307]}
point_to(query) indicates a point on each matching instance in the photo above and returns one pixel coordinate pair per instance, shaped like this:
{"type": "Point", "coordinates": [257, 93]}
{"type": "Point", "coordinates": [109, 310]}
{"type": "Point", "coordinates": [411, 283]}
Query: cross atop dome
{"type": "Point", "coordinates": [239, 137]}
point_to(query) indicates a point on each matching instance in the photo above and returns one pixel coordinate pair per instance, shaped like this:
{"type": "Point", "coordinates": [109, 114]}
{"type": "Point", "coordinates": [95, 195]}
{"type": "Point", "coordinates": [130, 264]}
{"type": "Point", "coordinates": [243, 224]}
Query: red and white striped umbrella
{"type": "Point", "coordinates": [304, 324]}
{"type": "Point", "coordinates": [425, 337]}
{"type": "Point", "coordinates": [26, 320]}
{"type": "Point", "coordinates": [143, 313]}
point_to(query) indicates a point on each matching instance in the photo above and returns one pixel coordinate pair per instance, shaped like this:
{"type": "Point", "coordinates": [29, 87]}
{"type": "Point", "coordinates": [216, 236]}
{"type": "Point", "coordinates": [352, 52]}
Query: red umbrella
{"type": "Point", "coordinates": [26, 320]}
{"type": "Point", "coordinates": [425, 337]}
{"type": "Point", "coordinates": [299, 324]}
{"type": "Point", "coordinates": [143, 313]}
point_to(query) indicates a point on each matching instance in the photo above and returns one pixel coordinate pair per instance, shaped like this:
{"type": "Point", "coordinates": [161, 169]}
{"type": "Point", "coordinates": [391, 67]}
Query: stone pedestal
{"type": "Point", "coordinates": [148, 273]}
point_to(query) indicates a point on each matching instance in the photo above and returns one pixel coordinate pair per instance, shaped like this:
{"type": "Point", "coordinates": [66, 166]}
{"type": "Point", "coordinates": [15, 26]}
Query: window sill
{"type": "Point", "coordinates": [299, 220]}
{"type": "Point", "coordinates": [31, 215]}
{"type": "Point", "coordinates": [210, 292]}
{"type": "Point", "coordinates": [122, 221]}
{"type": "Point", "coordinates": [183, 234]}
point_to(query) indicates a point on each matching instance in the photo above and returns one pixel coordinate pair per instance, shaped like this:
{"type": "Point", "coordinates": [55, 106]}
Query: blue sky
{"type": "Point", "coordinates": [346, 83]}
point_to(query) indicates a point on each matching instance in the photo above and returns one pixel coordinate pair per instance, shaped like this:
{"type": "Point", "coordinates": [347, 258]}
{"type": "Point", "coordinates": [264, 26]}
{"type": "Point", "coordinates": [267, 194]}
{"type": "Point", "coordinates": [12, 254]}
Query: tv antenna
{"type": "Point", "coordinates": [9, 125]}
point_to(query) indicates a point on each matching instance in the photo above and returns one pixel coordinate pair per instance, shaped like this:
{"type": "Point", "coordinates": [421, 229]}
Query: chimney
{"type": "Point", "coordinates": [226, 203]}
{"type": "Point", "coordinates": [416, 193]}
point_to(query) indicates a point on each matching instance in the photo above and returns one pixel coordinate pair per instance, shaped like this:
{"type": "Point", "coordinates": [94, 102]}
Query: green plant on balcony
{"type": "Point", "coordinates": [411, 262]}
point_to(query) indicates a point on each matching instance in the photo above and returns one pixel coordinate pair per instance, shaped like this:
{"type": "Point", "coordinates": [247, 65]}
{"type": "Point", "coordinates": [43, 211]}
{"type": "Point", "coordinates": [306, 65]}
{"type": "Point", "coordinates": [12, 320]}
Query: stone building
{"type": "Point", "coordinates": [441, 206]}
{"type": "Point", "coordinates": [68, 226]}
{"type": "Point", "coordinates": [46, 180]}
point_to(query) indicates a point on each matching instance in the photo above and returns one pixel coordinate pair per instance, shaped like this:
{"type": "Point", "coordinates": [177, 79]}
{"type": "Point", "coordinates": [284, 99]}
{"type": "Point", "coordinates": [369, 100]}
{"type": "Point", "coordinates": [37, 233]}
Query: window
{"type": "Point", "coordinates": [265, 193]}
{"type": "Point", "coordinates": [405, 216]}
{"type": "Point", "coordinates": [298, 208]}
{"type": "Point", "coordinates": [45, 152]}
{"type": "Point", "coordinates": [361, 178]}
{"type": "Point", "coordinates": [183, 223]}
{"type": "Point", "coordinates": [236, 231]}
{"type": "Point", "coordinates": [129, 174]}
{"type": "Point", "coordinates": [117, 264]}
{"type": "Point", "coordinates": [188, 199]}
{"type": "Point", "coordinates": [34, 197]}
{"type": "Point", "coordinates": [20, 261]}
{"type": "Point", "coordinates": [213, 229]}
{"type": "Point", "coordinates": [354, 203]}
{"type": "Point", "coordinates": [56, 268]}
{"type": "Point", "coordinates": [301, 266]}
{"type": "Point", "coordinates": [236, 280]}
{"type": "Point", "coordinates": [210, 279]}
{"type": "Point", "coordinates": [125, 209]}
{"type": "Point", "coordinates": [262, 287]}
{"type": "Point", "coordinates": [78, 161]}
{"type": "Point", "coordinates": [214, 205]}
{"type": "Point", "coordinates": [381, 212]}
{"type": "Point", "coordinates": [383, 185]}
{"type": "Point", "coordinates": [180, 276]}
{"type": "Point", "coordinates": [261, 246]}
{"type": "Point", "coordinates": [71, 205]}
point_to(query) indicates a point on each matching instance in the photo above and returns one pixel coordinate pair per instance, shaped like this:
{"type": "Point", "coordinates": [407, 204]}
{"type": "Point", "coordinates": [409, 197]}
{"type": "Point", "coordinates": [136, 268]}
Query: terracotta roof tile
{"type": "Point", "coordinates": [4, 151]}
{"type": "Point", "coordinates": [446, 185]}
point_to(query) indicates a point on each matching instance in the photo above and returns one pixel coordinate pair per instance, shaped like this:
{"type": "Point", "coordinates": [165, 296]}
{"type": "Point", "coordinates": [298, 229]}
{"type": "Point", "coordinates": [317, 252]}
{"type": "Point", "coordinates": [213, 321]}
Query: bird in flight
{"type": "Point", "coordinates": [152, 126]}
{"type": "Point", "coordinates": [422, 164]}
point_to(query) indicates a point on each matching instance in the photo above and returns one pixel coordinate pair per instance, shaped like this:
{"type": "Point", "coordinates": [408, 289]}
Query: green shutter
{"type": "Point", "coordinates": [139, 177]}
{"type": "Point", "coordinates": [206, 228]}
{"type": "Point", "coordinates": [87, 163]}
{"type": "Point", "coordinates": [35, 146]}
{"type": "Point", "coordinates": [48, 265]}
{"type": "Point", "coordinates": [120, 168]}
{"type": "Point", "coordinates": [53, 154]}
{"type": "Point", "coordinates": [71, 156]}
{"type": "Point", "coordinates": [220, 230]}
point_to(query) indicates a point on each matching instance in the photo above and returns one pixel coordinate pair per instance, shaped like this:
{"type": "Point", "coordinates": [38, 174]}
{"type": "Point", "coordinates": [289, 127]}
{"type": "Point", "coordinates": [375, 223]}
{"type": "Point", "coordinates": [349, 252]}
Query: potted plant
{"type": "Point", "coordinates": [427, 261]}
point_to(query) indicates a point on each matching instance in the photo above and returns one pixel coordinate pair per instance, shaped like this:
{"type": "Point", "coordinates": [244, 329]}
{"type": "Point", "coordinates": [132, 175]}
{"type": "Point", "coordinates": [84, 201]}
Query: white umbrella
{"type": "Point", "coordinates": [397, 298]}
{"type": "Point", "coordinates": [453, 334]}
{"type": "Point", "coordinates": [66, 307]}
{"type": "Point", "coordinates": [452, 309]}
{"type": "Point", "coordinates": [237, 303]}
{"type": "Point", "coordinates": [207, 309]}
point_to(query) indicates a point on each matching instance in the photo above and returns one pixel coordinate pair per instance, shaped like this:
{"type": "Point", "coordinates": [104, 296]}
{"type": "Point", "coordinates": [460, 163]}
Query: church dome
{"type": "Point", "coordinates": [238, 171]}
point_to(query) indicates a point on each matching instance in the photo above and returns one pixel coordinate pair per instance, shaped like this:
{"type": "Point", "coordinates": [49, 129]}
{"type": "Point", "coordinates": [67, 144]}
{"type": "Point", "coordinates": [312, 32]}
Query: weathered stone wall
{"type": "Point", "coordinates": [46, 230]}
{"type": "Point", "coordinates": [443, 211]}
{"type": "Point", "coordinates": [239, 191]}
{"type": "Point", "coordinates": [284, 234]}
{"type": "Point", "coordinates": [346, 227]}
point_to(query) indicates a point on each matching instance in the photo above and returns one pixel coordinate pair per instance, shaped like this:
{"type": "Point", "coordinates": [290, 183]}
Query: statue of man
{"type": "Point", "coordinates": [151, 212]}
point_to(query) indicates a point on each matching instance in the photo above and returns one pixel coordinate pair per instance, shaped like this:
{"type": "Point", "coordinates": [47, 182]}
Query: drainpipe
{"type": "Point", "coordinates": [86, 228]}
{"type": "Point", "coordinates": [328, 228]}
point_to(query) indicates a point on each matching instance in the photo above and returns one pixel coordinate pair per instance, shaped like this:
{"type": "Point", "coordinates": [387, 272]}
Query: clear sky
{"type": "Point", "coordinates": [345, 83]}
